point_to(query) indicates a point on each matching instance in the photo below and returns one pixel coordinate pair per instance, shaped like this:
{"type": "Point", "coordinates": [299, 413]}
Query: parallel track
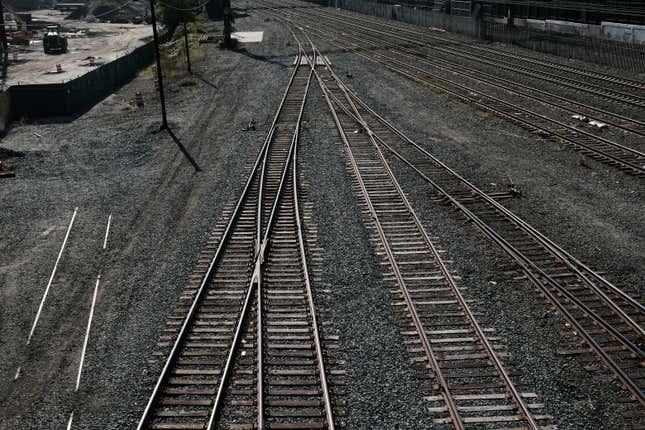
{"type": "Point", "coordinates": [620, 90]}
{"type": "Point", "coordinates": [470, 386]}
{"type": "Point", "coordinates": [607, 319]}
{"type": "Point", "coordinates": [234, 362]}
{"type": "Point", "coordinates": [514, 87]}
{"type": "Point", "coordinates": [620, 156]}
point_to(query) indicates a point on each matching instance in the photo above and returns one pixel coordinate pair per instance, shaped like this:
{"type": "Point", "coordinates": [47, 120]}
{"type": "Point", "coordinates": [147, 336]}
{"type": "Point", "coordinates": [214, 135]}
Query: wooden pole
{"type": "Point", "coordinates": [164, 119]}
{"type": "Point", "coordinates": [187, 48]}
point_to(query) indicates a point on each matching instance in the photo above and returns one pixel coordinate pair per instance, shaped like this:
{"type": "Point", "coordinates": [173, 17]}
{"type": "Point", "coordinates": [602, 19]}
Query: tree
{"type": "Point", "coordinates": [172, 13]}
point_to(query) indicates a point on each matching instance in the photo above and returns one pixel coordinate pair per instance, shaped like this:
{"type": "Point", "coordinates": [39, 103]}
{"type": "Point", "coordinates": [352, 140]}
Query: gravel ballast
{"type": "Point", "coordinates": [113, 160]}
{"type": "Point", "coordinates": [382, 390]}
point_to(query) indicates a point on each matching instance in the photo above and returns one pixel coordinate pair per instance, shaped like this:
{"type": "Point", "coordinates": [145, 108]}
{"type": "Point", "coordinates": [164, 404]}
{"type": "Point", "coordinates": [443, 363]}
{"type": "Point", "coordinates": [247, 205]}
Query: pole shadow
{"type": "Point", "coordinates": [182, 148]}
{"type": "Point", "coordinates": [204, 80]}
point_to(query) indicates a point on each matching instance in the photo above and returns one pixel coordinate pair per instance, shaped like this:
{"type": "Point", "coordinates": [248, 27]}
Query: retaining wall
{"type": "Point", "coordinates": [79, 94]}
{"type": "Point", "coordinates": [623, 32]}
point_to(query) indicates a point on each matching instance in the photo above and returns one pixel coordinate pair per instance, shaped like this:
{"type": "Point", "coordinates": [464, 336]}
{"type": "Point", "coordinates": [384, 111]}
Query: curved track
{"type": "Point", "coordinates": [620, 90]}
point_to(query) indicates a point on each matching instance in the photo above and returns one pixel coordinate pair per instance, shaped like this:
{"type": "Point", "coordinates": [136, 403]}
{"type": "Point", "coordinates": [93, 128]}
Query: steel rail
{"type": "Point", "coordinates": [172, 356]}
{"type": "Point", "coordinates": [423, 338]}
{"type": "Point", "coordinates": [399, 27]}
{"type": "Point", "coordinates": [566, 126]}
{"type": "Point", "coordinates": [495, 81]}
{"type": "Point", "coordinates": [509, 386]}
{"type": "Point", "coordinates": [611, 79]}
{"type": "Point", "coordinates": [310, 299]}
{"type": "Point", "coordinates": [259, 347]}
{"type": "Point", "coordinates": [634, 169]}
{"type": "Point", "coordinates": [256, 284]}
{"type": "Point", "coordinates": [612, 95]}
{"type": "Point", "coordinates": [525, 263]}
{"type": "Point", "coordinates": [640, 170]}
{"type": "Point", "coordinates": [230, 358]}
{"type": "Point", "coordinates": [261, 246]}
{"type": "Point", "coordinates": [550, 279]}
{"type": "Point", "coordinates": [554, 249]}
{"type": "Point", "coordinates": [260, 260]}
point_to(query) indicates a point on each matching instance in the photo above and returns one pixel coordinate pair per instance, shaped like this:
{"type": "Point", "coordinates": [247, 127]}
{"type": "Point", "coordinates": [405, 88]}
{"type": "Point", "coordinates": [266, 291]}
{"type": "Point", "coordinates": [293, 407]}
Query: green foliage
{"type": "Point", "coordinates": [174, 12]}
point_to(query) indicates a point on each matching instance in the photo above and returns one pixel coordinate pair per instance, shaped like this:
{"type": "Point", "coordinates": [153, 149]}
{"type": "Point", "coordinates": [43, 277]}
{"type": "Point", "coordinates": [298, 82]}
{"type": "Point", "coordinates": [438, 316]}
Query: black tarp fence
{"type": "Point", "coordinates": [80, 94]}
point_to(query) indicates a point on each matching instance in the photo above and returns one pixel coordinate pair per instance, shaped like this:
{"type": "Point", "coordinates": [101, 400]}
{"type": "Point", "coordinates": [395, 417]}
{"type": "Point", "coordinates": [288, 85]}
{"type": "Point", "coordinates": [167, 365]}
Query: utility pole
{"type": "Point", "coordinates": [3, 35]}
{"type": "Point", "coordinates": [164, 119]}
{"type": "Point", "coordinates": [228, 23]}
{"type": "Point", "coordinates": [187, 48]}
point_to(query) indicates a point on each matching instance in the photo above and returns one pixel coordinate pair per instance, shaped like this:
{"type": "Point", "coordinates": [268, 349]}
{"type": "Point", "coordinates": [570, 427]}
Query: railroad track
{"type": "Point", "coordinates": [246, 350]}
{"type": "Point", "coordinates": [615, 89]}
{"type": "Point", "coordinates": [519, 91]}
{"type": "Point", "coordinates": [607, 319]}
{"type": "Point", "coordinates": [469, 387]}
{"type": "Point", "coordinates": [619, 156]}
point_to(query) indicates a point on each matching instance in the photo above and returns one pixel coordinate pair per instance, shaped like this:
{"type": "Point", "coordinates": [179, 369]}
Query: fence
{"type": "Point", "coordinates": [591, 49]}
{"type": "Point", "coordinates": [412, 14]}
{"type": "Point", "coordinates": [79, 94]}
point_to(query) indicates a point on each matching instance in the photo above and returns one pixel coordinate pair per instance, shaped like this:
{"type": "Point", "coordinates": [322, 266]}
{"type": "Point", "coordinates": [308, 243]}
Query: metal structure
{"type": "Point", "coordinates": [608, 320]}
{"type": "Point", "coordinates": [438, 310]}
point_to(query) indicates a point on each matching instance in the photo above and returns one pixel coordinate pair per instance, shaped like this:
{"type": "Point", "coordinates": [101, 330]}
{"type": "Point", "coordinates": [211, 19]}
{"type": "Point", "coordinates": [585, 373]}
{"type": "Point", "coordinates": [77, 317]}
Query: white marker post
{"type": "Point", "coordinates": [51, 278]}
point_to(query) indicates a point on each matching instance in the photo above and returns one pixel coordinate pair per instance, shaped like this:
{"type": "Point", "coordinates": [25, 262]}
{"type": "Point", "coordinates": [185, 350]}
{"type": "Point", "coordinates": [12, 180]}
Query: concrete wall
{"type": "Point", "coordinates": [81, 93]}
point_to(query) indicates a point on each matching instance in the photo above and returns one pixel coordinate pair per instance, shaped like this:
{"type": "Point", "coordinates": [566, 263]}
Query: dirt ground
{"type": "Point", "coordinates": [104, 41]}
{"type": "Point", "coordinates": [113, 160]}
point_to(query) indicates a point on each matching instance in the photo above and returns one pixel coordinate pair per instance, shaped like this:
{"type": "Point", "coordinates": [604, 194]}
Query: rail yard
{"type": "Point", "coordinates": [349, 222]}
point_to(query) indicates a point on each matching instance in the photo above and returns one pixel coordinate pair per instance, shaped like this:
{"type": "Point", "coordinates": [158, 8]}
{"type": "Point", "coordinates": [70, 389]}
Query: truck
{"type": "Point", "coordinates": [53, 41]}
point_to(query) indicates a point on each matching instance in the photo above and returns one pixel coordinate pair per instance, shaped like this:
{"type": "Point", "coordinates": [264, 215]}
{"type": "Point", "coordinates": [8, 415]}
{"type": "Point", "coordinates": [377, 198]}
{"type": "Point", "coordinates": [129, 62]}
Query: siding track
{"type": "Point", "coordinates": [503, 97]}
{"type": "Point", "coordinates": [248, 353]}
{"type": "Point", "coordinates": [470, 387]}
{"type": "Point", "coordinates": [607, 319]}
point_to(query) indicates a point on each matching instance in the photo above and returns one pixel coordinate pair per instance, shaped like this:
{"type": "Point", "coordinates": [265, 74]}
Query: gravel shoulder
{"type": "Point", "coordinates": [113, 160]}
